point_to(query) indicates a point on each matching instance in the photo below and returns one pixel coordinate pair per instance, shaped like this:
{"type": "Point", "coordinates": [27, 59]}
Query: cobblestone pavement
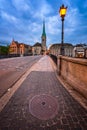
{"type": "Point", "coordinates": [34, 96]}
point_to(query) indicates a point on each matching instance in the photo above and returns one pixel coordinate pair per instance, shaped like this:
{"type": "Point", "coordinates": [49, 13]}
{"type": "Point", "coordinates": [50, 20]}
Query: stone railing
{"type": "Point", "coordinates": [74, 71]}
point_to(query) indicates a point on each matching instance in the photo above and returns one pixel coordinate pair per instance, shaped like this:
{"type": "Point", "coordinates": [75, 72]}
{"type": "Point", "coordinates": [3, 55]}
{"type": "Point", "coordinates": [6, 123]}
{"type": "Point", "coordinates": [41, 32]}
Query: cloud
{"type": "Point", "coordinates": [52, 24]}
{"type": "Point", "coordinates": [71, 20]}
{"type": "Point", "coordinates": [21, 5]}
{"type": "Point", "coordinates": [8, 17]}
{"type": "Point", "coordinates": [23, 19]}
{"type": "Point", "coordinates": [28, 30]}
{"type": "Point", "coordinates": [42, 10]}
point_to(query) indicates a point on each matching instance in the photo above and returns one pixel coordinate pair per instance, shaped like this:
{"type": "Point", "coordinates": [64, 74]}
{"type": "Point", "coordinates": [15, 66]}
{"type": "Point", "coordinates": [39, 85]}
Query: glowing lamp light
{"type": "Point", "coordinates": [62, 11]}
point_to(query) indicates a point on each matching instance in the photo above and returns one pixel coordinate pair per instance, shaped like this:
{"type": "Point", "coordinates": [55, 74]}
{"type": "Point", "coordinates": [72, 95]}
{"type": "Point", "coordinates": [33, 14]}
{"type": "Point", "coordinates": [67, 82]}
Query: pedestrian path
{"type": "Point", "coordinates": [42, 103]}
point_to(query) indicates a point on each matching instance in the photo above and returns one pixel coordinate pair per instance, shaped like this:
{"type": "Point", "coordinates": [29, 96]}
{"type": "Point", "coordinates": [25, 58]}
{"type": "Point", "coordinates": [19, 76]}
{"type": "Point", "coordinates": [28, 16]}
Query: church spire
{"type": "Point", "coordinates": [43, 39]}
{"type": "Point", "coordinates": [44, 33]}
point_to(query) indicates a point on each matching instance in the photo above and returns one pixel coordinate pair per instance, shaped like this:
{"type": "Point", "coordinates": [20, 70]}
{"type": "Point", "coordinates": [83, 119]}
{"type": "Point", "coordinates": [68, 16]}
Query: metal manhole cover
{"type": "Point", "coordinates": [43, 107]}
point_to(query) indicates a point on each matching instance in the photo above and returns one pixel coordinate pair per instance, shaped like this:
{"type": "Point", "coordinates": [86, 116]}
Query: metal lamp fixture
{"type": "Point", "coordinates": [62, 11]}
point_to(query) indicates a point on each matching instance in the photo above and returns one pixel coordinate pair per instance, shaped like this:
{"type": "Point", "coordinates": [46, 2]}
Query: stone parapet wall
{"type": "Point", "coordinates": [74, 71]}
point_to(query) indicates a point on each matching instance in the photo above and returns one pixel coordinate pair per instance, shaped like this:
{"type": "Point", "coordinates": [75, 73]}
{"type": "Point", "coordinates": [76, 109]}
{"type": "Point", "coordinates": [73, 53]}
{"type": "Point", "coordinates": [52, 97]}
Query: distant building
{"type": "Point", "coordinates": [55, 49]}
{"type": "Point", "coordinates": [85, 55]}
{"type": "Point", "coordinates": [40, 48]}
{"type": "Point", "coordinates": [37, 49]}
{"type": "Point", "coordinates": [17, 48]}
{"type": "Point", "coordinates": [79, 51]}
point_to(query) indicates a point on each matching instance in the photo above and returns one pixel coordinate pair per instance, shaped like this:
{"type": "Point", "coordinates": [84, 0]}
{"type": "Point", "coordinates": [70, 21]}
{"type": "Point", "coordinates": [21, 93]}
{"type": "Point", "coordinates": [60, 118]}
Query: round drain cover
{"type": "Point", "coordinates": [43, 107]}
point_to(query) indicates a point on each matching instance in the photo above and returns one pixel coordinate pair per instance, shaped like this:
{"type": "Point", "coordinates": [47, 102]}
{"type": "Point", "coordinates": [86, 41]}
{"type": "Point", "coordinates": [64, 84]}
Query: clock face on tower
{"type": "Point", "coordinates": [42, 39]}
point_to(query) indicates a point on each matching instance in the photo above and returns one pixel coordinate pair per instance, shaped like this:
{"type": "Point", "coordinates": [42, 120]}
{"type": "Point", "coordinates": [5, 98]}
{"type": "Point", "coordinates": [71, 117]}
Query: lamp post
{"type": "Point", "coordinates": [62, 12]}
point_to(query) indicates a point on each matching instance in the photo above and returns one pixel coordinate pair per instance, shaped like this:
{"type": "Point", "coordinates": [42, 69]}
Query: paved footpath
{"type": "Point", "coordinates": [42, 103]}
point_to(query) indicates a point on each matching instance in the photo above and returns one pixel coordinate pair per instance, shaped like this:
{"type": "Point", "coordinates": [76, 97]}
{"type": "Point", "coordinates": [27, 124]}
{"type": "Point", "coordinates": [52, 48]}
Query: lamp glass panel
{"type": "Point", "coordinates": [62, 12]}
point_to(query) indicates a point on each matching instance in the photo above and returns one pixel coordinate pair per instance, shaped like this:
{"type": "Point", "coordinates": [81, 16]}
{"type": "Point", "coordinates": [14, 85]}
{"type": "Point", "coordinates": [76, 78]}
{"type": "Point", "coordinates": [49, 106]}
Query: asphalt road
{"type": "Point", "coordinates": [11, 69]}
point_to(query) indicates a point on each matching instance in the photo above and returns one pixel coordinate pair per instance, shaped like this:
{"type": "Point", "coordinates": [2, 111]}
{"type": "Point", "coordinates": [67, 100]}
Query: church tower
{"type": "Point", "coordinates": [43, 38]}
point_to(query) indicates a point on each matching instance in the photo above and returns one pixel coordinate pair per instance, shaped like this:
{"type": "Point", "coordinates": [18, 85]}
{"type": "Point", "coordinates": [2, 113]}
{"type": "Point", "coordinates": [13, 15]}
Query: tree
{"type": "Point", "coordinates": [4, 50]}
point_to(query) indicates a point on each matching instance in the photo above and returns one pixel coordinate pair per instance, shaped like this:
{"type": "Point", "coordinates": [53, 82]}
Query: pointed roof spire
{"type": "Point", "coordinates": [44, 33]}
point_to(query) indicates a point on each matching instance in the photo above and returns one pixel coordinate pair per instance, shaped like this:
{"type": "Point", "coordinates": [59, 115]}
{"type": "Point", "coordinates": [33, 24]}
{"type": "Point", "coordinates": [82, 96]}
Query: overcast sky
{"type": "Point", "coordinates": [23, 19]}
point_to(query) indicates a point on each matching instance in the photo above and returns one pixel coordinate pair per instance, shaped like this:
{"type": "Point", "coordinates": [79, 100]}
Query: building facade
{"type": "Point", "coordinates": [56, 48]}
{"type": "Point", "coordinates": [80, 51]}
{"type": "Point", "coordinates": [16, 48]}
{"type": "Point", "coordinates": [37, 49]}
{"type": "Point", "coordinates": [85, 55]}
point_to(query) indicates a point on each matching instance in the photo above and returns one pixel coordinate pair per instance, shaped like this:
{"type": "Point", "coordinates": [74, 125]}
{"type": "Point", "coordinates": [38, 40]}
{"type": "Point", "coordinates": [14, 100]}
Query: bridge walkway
{"type": "Point", "coordinates": [42, 103]}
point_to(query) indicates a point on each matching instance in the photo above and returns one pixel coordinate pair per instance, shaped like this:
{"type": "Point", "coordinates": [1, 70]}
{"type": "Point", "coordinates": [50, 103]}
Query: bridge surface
{"type": "Point", "coordinates": [41, 102]}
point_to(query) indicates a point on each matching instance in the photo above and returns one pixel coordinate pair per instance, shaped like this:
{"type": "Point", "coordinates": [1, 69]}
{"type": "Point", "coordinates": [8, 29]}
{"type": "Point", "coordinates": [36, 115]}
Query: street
{"type": "Point", "coordinates": [11, 69]}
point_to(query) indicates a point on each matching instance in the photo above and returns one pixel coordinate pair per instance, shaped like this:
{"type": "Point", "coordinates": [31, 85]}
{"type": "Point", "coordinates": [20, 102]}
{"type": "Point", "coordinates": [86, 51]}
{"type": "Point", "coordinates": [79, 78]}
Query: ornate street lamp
{"type": "Point", "coordinates": [62, 12]}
